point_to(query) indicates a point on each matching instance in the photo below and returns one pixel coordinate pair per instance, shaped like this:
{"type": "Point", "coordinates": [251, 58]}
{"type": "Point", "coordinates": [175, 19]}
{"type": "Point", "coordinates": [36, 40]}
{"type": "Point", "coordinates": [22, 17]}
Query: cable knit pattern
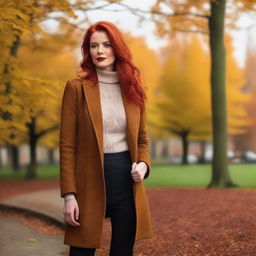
{"type": "Point", "coordinates": [113, 112]}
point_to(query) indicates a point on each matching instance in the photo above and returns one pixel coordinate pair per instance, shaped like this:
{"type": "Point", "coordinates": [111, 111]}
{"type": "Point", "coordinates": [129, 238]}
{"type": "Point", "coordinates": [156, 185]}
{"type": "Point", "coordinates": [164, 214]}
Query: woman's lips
{"type": "Point", "coordinates": [100, 59]}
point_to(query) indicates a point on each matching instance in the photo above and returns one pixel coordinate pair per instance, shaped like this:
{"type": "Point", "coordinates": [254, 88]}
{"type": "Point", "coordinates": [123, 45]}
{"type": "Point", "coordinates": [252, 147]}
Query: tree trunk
{"type": "Point", "coordinates": [51, 156]}
{"type": "Point", "coordinates": [31, 170]}
{"type": "Point", "coordinates": [184, 139]}
{"type": "Point", "coordinates": [202, 144]}
{"type": "Point", "coordinates": [15, 158]}
{"type": "Point", "coordinates": [153, 149]}
{"type": "Point", "coordinates": [6, 115]}
{"type": "Point", "coordinates": [220, 172]}
{"type": "Point", "coordinates": [165, 150]}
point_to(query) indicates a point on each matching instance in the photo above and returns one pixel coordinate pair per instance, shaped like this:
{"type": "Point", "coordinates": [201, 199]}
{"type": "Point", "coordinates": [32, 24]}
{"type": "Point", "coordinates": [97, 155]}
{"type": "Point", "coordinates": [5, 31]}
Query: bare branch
{"type": "Point", "coordinates": [86, 8]}
{"type": "Point", "coordinates": [192, 31]}
{"type": "Point", "coordinates": [175, 14]}
{"type": "Point", "coordinates": [50, 129]}
{"type": "Point", "coordinates": [135, 10]}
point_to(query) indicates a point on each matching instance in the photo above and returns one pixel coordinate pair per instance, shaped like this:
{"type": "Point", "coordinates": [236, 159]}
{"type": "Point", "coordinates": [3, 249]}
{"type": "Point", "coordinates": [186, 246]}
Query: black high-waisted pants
{"type": "Point", "coordinates": [120, 206]}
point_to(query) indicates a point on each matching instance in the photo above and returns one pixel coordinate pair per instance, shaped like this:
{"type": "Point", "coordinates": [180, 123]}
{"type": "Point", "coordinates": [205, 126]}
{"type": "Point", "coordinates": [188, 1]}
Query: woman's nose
{"type": "Point", "coordinates": [100, 49]}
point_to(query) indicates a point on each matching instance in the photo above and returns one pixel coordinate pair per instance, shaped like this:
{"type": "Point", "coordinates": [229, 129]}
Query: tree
{"type": "Point", "coordinates": [198, 16]}
{"type": "Point", "coordinates": [237, 100]}
{"type": "Point", "coordinates": [17, 19]}
{"type": "Point", "coordinates": [52, 62]}
{"type": "Point", "coordinates": [247, 141]}
{"type": "Point", "coordinates": [184, 109]}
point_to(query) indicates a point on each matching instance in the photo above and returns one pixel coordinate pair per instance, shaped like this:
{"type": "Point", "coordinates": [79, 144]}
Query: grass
{"type": "Point", "coordinates": [43, 172]}
{"type": "Point", "coordinates": [162, 176]}
{"type": "Point", "coordinates": [243, 175]}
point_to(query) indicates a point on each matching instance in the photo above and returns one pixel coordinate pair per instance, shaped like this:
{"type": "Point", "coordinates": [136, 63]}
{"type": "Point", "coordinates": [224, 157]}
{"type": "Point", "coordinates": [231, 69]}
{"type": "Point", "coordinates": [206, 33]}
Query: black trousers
{"type": "Point", "coordinates": [120, 206]}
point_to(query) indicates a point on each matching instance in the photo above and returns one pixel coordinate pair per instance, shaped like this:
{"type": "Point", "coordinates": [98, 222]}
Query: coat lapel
{"type": "Point", "coordinates": [92, 95]}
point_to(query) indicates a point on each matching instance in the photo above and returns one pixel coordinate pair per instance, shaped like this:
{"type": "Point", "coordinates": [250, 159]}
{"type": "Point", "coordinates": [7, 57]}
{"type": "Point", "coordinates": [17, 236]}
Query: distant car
{"type": "Point", "coordinates": [192, 159]}
{"type": "Point", "coordinates": [208, 156]}
{"type": "Point", "coordinates": [230, 154]}
{"type": "Point", "coordinates": [176, 159]}
{"type": "Point", "coordinates": [250, 156]}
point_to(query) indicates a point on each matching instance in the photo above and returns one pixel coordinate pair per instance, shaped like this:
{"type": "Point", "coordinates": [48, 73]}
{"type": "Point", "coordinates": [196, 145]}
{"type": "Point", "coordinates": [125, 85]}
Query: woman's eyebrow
{"type": "Point", "coordinates": [97, 43]}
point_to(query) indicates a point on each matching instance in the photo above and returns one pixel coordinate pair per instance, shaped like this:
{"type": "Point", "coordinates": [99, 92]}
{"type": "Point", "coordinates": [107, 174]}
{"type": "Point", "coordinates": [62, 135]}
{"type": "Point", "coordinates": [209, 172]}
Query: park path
{"type": "Point", "coordinates": [186, 221]}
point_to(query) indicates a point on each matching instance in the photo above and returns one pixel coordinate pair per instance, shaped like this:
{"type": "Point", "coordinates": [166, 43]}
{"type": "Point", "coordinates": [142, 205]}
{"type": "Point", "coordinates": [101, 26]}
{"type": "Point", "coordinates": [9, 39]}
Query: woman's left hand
{"type": "Point", "coordinates": [138, 171]}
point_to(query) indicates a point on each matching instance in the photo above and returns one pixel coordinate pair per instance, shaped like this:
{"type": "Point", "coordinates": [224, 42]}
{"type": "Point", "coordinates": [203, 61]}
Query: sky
{"type": "Point", "coordinates": [126, 21]}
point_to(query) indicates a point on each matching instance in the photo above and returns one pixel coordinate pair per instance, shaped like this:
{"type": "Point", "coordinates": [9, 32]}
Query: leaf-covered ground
{"type": "Point", "coordinates": [186, 221]}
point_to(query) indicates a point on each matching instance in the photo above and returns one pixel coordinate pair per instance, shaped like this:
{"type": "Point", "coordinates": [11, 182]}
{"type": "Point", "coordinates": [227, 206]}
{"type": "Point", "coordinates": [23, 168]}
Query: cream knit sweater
{"type": "Point", "coordinates": [113, 112]}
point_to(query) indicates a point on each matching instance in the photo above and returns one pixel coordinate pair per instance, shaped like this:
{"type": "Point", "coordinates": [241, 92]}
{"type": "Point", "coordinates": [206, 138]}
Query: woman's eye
{"type": "Point", "coordinates": [105, 45]}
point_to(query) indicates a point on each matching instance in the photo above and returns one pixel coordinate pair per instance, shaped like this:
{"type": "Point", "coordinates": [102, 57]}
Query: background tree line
{"type": "Point", "coordinates": [187, 85]}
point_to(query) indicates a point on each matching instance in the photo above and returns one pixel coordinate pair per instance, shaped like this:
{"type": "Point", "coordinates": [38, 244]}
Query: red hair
{"type": "Point", "coordinates": [128, 73]}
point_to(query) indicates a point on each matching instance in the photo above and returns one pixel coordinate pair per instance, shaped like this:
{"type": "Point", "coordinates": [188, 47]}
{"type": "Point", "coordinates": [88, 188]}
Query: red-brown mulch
{"type": "Point", "coordinates": [186, 221]}
{"type": "Point", "coordinates": [202, 222]}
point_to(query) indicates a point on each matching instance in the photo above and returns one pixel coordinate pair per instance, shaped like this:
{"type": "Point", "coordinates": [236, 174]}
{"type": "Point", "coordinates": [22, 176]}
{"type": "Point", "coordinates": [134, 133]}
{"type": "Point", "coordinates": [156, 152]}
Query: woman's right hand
{"type": "Point", "coordinates": [71, 210]}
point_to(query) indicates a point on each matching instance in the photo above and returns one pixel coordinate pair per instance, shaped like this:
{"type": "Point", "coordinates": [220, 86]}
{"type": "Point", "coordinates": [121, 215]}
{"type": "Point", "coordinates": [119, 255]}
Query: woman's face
{"type": "Point", "coordinates": [101, 51]}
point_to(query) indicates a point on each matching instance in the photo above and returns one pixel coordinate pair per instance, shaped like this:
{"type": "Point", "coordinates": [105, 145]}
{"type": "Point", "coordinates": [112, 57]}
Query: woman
{"type": "Point", "coordinates": [104, 153]}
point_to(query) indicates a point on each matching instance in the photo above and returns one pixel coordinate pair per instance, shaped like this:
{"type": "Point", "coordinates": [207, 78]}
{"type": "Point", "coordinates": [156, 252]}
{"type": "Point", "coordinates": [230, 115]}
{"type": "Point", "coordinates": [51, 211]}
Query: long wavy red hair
{"type": "Point", "coordinates": [128, 73]}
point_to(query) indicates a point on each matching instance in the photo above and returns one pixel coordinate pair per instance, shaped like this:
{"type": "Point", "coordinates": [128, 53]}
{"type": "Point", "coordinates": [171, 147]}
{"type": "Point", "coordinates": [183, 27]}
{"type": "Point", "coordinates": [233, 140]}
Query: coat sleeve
{"type": "Point", "coordinates": [67, 146]}
{"type": "Point", "coordinates": [143, 144]}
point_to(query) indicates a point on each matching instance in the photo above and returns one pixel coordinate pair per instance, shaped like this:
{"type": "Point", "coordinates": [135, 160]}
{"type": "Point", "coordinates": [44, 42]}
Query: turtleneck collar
{"type": "Point", "coordinates": [109, 77]}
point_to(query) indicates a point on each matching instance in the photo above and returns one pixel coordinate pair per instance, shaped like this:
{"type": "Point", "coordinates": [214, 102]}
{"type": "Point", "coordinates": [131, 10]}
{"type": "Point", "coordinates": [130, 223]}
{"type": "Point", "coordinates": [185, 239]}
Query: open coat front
{"type": "Point", "coordinates": [82, 166]}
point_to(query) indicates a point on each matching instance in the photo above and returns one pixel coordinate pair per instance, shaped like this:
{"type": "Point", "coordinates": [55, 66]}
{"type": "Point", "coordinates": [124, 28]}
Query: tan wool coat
{"type": "Point", "coordinates": [82, 161]}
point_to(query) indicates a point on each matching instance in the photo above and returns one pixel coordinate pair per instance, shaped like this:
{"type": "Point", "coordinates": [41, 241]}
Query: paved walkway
{"type": "Point", "coordinates": [46, 202]}
{"type": "Point", "coordinates": [17, 239]}
{"type": "Point", "coordinates": [20, 240]}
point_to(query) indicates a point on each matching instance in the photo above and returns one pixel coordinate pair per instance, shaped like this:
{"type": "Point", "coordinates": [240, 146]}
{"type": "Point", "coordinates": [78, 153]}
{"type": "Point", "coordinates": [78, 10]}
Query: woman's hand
{"type": "Point", "coordinates": [138, 171]}
{"type": "Point", "coordinates": [71, 210]}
